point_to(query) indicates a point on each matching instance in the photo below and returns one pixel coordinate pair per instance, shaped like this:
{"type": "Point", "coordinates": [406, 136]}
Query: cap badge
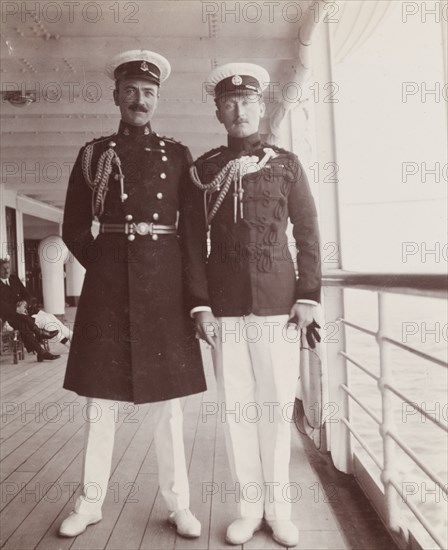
{"type": "Point", "coordinates": [237, 80]}
{"type": "Point", "coordinates": [144, 66]}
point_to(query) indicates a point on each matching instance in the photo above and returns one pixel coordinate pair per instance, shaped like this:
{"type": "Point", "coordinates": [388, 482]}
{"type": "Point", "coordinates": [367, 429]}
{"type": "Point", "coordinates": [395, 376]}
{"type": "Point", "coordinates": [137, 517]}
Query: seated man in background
{"type": "Point", "coordinates": [30, 333]}
{"type": "Point", "coordinates": [12, 291]}
{"type": "Point", "coordinates": [46, 321]}
{"type": "Point", "coordinates": [11, 287]}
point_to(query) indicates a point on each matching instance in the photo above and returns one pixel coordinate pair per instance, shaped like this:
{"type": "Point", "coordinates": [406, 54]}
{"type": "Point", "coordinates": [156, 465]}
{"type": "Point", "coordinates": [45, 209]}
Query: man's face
{"type": "Point", "coordinates": [5, 270]}
{"type": "Point", "coordinates": [137, 99]}
{"type": "Point", "coordinates": [22, 307]}
{"type": "Point", "coordinates": [240, 113]}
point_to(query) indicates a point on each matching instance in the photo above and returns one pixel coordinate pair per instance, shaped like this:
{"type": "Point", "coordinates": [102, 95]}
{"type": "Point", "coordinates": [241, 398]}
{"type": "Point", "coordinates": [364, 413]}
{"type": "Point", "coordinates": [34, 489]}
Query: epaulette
{"type": "Point", "coordinates": [172, 140]}
{"type": "Point", "coordinates": [210, 154]}
{"type": "Point", "coordinates": [277, 149]}
{"type": "Point", "coordinates": [97, 140]}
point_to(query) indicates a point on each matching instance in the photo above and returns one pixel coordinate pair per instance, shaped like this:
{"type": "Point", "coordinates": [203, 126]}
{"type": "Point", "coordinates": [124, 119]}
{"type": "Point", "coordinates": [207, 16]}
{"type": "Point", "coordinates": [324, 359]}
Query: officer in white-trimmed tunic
{"type": "Point", "coordinates": [247, 288]}
{"type": "Point", "coordinates": [133, 339]}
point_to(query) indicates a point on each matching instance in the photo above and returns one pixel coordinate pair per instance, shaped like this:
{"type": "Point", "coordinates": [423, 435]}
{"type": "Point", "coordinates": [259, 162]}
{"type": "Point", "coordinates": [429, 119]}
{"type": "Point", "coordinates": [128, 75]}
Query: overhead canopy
{"type": "Point", "coordinates": [57, 52]}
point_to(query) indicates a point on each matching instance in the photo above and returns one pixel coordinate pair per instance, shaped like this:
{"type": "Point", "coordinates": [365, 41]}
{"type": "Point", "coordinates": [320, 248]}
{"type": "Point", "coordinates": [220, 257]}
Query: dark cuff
{"type": "Point", "coordinates": [310, 295]}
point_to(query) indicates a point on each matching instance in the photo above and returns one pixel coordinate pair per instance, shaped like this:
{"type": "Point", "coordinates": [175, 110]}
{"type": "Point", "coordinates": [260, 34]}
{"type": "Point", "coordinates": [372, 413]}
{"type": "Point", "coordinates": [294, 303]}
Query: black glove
{"type": "Point", "coordinates": [312, 334]}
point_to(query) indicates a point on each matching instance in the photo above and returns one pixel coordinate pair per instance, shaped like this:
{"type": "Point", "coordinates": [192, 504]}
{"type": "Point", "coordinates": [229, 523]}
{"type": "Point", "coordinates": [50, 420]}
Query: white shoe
{"type": "Point", "coordinates": [186, 524]}
{"type": "Point", "coordinates": [284, 532]}
{"type": "Point", "coordinates": [77, 523]}
{"type": "Point", "coordinates": [242, 530]}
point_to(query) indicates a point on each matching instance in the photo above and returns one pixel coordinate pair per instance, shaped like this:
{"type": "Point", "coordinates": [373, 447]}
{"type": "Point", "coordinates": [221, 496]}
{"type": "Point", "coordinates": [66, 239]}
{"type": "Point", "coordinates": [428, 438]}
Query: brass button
{"type": "Point", "coordinates": [112, 144]}
{"type": "Point", "coordinates": [159, 196]}
{"type": "Point", "coordinates": [164, 158]}
{"type": "Point", "coordinates": [163, 176]}
{"type": "Point", "coordinates": [161, 143]}
{"type": "Point", "coordinates": [131, 237]}
{"type": "Point", "coordinates": [124, 196]}
{"type": "Point", "coordinates": [155, 217]}
{"type": "Point", "coordinates": [129, 217]}
{"type": "Point", "coordinates": [155, 237]}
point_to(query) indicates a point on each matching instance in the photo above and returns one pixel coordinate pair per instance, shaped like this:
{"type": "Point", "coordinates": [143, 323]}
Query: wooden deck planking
{"type": "Point", "coordinates": [22, 369]}
{"type": "Point", "coordinates": [158, 533]}
{"type": "Point", "coordinates": [31, 437]}
{"type": "Point", "coordinates": [200, 470]}
{"type": "Point", "coordinates": [18, 450]}
{"type": "Point", "coordinates": [19, 391]}
{"type": "Point", "coordinates": [23, 412]}
{"type": "Point", "coordinates": [223, 507]}
{"type": "Point", "coordinates": [31, 422]}
{"type": "Point", "coordinates": [130, 528]}
{"type": "Point", "coordinates": [29, 367]}
{"type": "Point", "coordinates": [57, 509]}
{"type": "Point", "coordinates": [50, 451]}
{"type": "Point", "coordinates": [41, 454]}
{"type": "Point", "coordinates": [47, 468]}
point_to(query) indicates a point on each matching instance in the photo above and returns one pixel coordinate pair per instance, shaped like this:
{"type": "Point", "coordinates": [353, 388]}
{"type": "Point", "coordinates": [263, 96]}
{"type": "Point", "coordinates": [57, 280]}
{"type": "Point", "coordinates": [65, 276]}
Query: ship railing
{"type": "Point", "coordinates": [339, 433]}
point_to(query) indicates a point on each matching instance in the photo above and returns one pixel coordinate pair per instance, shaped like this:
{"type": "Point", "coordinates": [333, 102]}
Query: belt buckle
{"type": "Point", "coordinates": [144, 228]}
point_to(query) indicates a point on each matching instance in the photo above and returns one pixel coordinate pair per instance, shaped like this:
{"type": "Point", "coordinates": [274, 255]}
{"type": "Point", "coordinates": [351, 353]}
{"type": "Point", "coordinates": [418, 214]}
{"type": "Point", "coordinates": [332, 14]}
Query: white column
{"type": "Point", "coordinates": [52, 255]}
{"type": "Point", "coordinates": [21, 271]}
{"type": "Point", "coordinates": [2, 221]}
{"type": "Point", "coordinates": [74, 279]}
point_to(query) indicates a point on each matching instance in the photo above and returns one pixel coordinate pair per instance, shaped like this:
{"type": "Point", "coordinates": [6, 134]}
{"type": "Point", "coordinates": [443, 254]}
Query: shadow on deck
{"type": "Point", "coordinates": [41, 460]}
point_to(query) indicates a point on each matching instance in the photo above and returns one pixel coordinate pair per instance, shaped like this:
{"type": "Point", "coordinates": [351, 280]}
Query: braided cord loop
{"type": "Point", "coordinates": [100, 183]}
{"type": "Point", "coordinates": [223, 179]}
{"type": "Point", "coordinates": [232, 172]}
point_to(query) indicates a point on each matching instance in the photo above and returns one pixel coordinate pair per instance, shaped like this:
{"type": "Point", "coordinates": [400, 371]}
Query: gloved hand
{"type": "Point", "coordinates": [312, 334]}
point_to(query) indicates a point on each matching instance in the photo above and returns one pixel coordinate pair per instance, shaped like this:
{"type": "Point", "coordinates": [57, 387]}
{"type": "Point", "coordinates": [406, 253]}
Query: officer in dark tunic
{"type": "Point", "coordinates": [252, 191]}
{"type": "Point", "coordinates": [133, 338]}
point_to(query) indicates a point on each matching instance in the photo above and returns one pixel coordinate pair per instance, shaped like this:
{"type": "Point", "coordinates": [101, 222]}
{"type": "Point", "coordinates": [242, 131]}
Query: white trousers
{"type": "Point", "coordinates": [256, 366]}
{"type": "Point", "coordinates": [99, 444]}
{"type": "Point", "coordinates": [47, 321]}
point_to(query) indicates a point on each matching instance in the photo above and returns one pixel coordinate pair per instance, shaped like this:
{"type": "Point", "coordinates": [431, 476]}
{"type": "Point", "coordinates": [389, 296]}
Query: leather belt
{"type": "Point", "coordinates": [142, 228]}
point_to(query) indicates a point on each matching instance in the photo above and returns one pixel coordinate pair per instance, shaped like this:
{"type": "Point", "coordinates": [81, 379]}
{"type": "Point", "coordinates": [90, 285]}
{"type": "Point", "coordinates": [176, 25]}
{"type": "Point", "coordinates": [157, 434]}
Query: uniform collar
{"type": "Point", "coordinates": [248, 143]}
{"type": "Point", "coordinates": [126, 129]}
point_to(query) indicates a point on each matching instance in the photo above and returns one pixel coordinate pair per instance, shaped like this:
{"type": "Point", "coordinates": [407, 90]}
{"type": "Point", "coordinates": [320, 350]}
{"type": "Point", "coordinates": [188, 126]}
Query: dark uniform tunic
{"type": "Point", "coordinates": [250, 268]}
{"type": "Point", "coordinates": [133, 338]}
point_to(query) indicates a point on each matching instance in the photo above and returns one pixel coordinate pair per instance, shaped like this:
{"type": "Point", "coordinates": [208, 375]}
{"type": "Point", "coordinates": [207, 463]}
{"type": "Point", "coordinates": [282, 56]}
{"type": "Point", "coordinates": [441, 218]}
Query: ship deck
{"type": "Point", "coordinates": [41, 460]}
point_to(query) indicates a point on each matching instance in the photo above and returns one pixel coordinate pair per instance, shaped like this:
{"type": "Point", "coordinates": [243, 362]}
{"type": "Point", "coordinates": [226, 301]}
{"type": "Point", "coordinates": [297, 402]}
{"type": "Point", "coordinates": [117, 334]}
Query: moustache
{"type": "Point", "coordinates": [139, 108]}
{"type": "Point", "coordinates": [239, 120]}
